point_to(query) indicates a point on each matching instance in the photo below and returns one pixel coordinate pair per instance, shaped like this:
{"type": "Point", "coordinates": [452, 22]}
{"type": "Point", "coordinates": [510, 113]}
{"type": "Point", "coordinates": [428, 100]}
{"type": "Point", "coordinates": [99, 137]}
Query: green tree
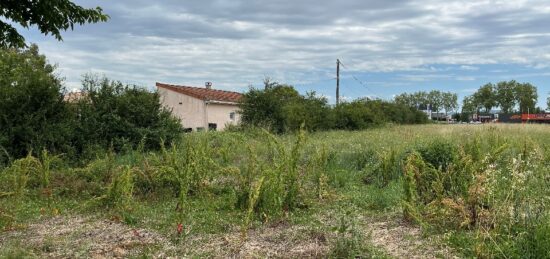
{"type": "Point", "coordinates": [418, 100]}
{"type": "Point", "coordinates": [32, 112]}
{"type": "Point", "coordinates": [114, 115]}
{"type": "Point", "coordinates": [311, 110]}
{"type": "Point", "coordinates": [470, 105]}
{"type": "Point", "coordinates": [405, 99]}
{"type": "Point", "coordinates": [421, 100]}
{"type": "Point", "coordinates": [449, 101]}
{"type": "Point", "coordinates": [527, 96]}
{"type": "Point", "coordinates": [435, 100]}
{"type": "Point", "coordinates": [50, 16]}
{"type": "Point", "coordinates": [356, 115]}
{"type": "Point", "coordinates": [548, 102]}
{"type": "Point", "coordinates": [265, 108]}
{"type": "Point", "coordinates": [506, 95]}
{"type": "Point", "coordinates": [486, 96]}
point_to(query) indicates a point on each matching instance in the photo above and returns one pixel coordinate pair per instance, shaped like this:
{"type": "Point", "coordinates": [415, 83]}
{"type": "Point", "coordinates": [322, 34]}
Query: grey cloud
{"type": "Point", "coordinates": [235, 43]}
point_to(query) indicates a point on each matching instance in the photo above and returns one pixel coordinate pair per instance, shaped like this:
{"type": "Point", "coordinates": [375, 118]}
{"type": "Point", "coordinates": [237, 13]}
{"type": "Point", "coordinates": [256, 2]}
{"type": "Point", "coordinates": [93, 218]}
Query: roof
{"type": "Point", "coordinates": [204, 93]}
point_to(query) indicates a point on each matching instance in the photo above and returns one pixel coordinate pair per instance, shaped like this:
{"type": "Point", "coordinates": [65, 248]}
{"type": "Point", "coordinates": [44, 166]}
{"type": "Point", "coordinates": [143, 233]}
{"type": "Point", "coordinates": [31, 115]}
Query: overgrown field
{"type": "Point", "coordinates": [397, 191]}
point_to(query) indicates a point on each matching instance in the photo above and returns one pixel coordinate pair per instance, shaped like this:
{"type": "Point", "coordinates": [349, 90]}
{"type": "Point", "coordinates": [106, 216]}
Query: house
{"type": "Point", "coordinates": [200, 108]}
{"type": "Point", "coordinates": [73, 97]}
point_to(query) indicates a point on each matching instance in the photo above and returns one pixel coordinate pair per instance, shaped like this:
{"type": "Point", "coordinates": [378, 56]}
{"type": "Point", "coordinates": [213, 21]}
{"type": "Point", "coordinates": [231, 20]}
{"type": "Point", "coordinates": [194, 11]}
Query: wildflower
{"type": "Point", "coordinates": [180, 228]}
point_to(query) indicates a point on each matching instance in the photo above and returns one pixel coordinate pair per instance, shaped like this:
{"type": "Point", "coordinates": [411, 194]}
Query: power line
{"type": "Point", "coordinates": [359, 81]}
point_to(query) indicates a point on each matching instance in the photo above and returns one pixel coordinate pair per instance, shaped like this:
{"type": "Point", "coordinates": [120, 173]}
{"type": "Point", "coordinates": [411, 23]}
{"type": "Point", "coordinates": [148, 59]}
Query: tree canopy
{"type": "Point", "coordinates": [281, 108]}
{"type": "Point", "coordinates": [434, 100]}
{"type": "Point", "coordinates": [508, 95]}
{"type": "Point", "coordinates": [50, 16]}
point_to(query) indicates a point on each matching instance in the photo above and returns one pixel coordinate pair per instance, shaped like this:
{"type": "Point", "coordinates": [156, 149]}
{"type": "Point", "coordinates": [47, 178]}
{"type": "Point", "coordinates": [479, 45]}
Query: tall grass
{"type": "Point", "coordinates": [486, 186]}
{"type": "Point", "coordinates": [491, 188]}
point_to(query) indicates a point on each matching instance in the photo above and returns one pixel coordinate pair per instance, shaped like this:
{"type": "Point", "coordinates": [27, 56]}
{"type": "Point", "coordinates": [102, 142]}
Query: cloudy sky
{"type": "Point", "coordinates": [387, 47]}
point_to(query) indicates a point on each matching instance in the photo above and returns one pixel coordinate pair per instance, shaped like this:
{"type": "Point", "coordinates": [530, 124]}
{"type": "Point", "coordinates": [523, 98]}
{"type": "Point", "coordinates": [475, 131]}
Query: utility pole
{"type": "Point", "coordinates": [337, 82]}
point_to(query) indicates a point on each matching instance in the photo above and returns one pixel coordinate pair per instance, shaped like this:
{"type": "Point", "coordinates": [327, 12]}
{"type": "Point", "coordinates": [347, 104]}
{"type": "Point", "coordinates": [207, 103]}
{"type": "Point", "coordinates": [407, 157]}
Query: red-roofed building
{"type": "Point", "coordinates": [200, 108]}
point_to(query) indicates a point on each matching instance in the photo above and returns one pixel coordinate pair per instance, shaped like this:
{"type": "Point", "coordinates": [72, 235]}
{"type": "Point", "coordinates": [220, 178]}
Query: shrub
{"type": "Point", "coordinates": [498, 192]}
{"type": "Point", "coordinates": [33, 115]}
{"type": "Point", "coordinates": [113, 115]}
{"type": "Point", "coordinates": [439, 153]}
{"type": "Point", "coordinates": [280, 108]}
{"type": "Point", "coordinates": [265, 108]}
{"type": "Point", "coordinates": [383, 168]}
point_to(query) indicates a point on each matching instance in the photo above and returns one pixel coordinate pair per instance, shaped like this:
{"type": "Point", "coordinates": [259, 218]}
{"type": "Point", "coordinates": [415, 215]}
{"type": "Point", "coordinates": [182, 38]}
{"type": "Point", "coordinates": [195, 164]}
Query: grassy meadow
{"type": "Point", "coordinates": [435, 191]}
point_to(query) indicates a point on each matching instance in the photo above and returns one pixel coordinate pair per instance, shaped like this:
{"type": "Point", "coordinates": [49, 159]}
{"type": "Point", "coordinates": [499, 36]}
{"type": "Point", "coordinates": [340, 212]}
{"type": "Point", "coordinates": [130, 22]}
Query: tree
{"type": "Point", "coordinates": [269, 83]}
{"type": "Point", "coordinates": [485, 96]}
{"type": "Point", "coordinates": [311, 110]}
{"type": "Point", "coordinates": [265, 108]}
{"type": "Point", "coordinates": [506, 95]}
{"type": "Point", "coordinates": [50, 16]}
{"type": "Point", "coordinates": [114, 115]}
{"type": "Point", "coordinates": [526, 96]}
{"type": "Point", "coordinates": [435, 100]}
{"type": "Point", "coordinates": [449, 101]}
{"type": "Point", "coordinates": [405, 99]}
{"type": "Point", "coordinates": [421, 100]}
{"type": "Point", "coordinates": [32, 112]}
{"type": "Point", "coordinates": [548, 102]}
{"type": "Point", "coordinates": [470, 105]}
{"type": "Point", "coordinates": [418, 100]}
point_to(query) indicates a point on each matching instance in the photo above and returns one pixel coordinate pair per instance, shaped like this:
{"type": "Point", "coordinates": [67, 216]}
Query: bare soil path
{"type": "Point", "coordinates": [88, 237]}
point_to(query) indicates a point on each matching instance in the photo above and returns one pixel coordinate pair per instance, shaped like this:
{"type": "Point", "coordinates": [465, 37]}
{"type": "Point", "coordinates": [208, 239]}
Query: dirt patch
{"type": "Point", "coordinates": [279, 241]}
{"type": "Point", "coordinates": [403, 240]}
{"type": "Point", "coordinates": [76, 236]}
{"type": "Point", "coordinates": [88, 237]}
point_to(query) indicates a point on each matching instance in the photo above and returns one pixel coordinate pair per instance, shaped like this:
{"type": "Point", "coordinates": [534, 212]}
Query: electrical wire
{"type": "Point", "coordinates": [359, 81]}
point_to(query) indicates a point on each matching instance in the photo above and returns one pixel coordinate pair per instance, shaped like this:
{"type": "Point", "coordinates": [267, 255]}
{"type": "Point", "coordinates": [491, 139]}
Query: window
{"type": "Point", "coordinates": [188, 130]}
{"type": "Point", "coordinates": [232, 116]}
{"type": "Point", "coordinates": [212, 126]}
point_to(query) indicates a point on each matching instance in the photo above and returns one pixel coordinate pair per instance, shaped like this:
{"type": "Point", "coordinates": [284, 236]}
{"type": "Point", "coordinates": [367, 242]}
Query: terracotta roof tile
{"type": "Point", "coordinates": [204, 93]}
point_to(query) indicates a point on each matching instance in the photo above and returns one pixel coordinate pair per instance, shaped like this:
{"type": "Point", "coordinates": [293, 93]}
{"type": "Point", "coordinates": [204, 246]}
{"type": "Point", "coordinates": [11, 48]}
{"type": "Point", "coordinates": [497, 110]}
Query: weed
{"type": "Point", "coordinates": [350, 242]}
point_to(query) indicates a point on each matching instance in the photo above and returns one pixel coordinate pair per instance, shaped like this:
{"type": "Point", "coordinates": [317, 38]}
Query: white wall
{"type": "Point", "coordinates": [193, 112]}
{"type": "Point", "coordinates": [219, 114]}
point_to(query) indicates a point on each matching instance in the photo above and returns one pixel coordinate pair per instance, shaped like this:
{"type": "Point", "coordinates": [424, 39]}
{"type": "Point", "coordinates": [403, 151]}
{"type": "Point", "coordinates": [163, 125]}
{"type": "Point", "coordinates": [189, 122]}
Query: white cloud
{"type": "Point", "coordinates": [465, 67]}
{"type": "Point", "coordinates": [235, 43]}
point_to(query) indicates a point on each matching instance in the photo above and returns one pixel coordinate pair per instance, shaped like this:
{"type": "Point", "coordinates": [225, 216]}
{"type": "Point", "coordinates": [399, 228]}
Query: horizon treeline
{"type": "Point", "coordinates": [280, 108]}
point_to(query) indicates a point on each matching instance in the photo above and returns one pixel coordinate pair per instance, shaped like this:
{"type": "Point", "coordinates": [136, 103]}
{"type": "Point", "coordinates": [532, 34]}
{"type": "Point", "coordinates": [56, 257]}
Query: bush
{"type": "Point", "coordinates": [33, 115]}
{"type": "Point", "coordinates": [281, 108]}
{"type": "Point", "coordinates": [117, 116]}
{"type": "Point", "coordinates": [439, 153]}
{"type": "Point", "coordinates": [383, 169]}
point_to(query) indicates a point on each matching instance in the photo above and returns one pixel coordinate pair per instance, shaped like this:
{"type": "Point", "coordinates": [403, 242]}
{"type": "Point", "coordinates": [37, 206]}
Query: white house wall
{"type": "Point", "coordinates": [220, 114]}
{"type": "Point", "coordinates": [191, 111]}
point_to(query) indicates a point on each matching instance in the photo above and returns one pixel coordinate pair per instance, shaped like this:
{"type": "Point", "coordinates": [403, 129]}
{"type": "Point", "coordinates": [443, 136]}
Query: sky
{"type": "Point", "coordinates": [386, 47]}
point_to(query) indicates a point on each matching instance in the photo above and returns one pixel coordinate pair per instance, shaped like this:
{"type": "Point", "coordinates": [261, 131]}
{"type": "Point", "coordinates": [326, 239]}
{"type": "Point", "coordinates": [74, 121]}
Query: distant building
{"type": "Point", "coordinates": [73, 97]}
{"type": "Point", "coordinates": [201, 108]}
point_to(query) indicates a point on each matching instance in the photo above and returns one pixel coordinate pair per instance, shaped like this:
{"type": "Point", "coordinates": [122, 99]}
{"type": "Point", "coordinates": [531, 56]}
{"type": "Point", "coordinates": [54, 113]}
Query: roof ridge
{"type": "Point", "coordinates": [203, 93]}
{"type": "Point", "coordinates": [197, 87]}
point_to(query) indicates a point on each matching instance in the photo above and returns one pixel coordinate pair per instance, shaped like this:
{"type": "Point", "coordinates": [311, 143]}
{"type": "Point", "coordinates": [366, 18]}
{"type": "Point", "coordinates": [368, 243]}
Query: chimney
{"type": "Point", "coordinates": [208, 85]}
